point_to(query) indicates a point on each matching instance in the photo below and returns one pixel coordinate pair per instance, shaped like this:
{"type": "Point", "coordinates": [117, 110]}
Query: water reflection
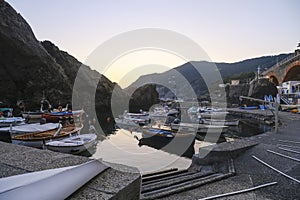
{"type": "Point", "coordinates": [123, 148]}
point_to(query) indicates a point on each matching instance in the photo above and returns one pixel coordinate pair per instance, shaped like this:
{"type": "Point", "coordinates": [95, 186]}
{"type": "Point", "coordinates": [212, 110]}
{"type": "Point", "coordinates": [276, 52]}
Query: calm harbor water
{"type": "Point", "coordinates": [122, 147]}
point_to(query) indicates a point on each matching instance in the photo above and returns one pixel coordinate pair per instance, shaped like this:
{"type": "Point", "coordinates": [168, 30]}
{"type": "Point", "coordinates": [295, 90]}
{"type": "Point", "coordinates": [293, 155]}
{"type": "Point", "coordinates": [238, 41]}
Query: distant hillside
{"type": "Point", "coordinates": [190, 73]}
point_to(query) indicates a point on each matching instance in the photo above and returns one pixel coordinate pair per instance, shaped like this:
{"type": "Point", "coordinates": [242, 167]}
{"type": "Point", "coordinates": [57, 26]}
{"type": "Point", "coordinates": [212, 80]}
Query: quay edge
{"type": "Point", "coordinates": [116, 182]}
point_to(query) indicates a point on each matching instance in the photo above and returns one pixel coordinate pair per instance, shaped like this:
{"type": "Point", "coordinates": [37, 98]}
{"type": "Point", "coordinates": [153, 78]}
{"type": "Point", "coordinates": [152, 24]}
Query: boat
{"type": "Point", "coordinates": [123, 123]}
{"type": "Point", "coordinates": [75, 144]}
{"type": "Point", "coordinates": [159, 112]}
{"type": "Point", "coordinates": [35, 115]}
{"type": "Point", "coordinates": [141, 119]}
{"type": "Point", "coordinates": [6, 112]}
{"type": "Point", "coordinates": [156, 132]}
{"type": "Point", "coordinates": [55, 117]}
{"type": "Point", "coordinates": [40, 138]}
{"type": "Point", "coordinates": [32, 115]}
{"type": "Point", "coordinates": [199, 128]}
{"type": "Point", "coordinates": [132, 121]}
{"type": "Point", "coordinates": [214, 114]}
{"type": "Point", "coordinates": [14, 121]}
{"type": "Point", "coordinates": [227, 122]}
{"type": "Point", "coordinates": [29, 128]}
{"type": "Point", "coordinates": [248, 107]}
{"type": "Point", "coordinates": [180, 143]}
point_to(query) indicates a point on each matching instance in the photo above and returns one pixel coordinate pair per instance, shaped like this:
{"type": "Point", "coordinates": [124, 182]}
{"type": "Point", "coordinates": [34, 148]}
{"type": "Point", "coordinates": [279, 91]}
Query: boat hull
{"type": "Point", "coordinates": [199, 128]}
{"type": "Point", "coordinates": [221, 122]}
{"type": "Point", "coordinates": [39, 139]}
{"type": "Point", "coordinates": [214, 115]}
{"type": "Point", "coordinates": [173, 142]}
{"type": "Point", "coordinates": [72, 148]}
{"type": "Point", "coordinates": [32, 115]}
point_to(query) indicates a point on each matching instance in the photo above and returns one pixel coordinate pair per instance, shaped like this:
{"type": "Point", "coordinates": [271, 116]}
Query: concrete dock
{"type": "Point", "coordinates": [122, 182]}
{"type": "Point", "coordinates": [116, 182]}
{"type": "Point", "coordinates": [248, 171]}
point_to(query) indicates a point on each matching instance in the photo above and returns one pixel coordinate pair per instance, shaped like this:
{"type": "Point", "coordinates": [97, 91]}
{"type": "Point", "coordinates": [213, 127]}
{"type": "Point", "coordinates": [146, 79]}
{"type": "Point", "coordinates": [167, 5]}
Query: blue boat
{"type": "Point", "coordinates": [248, 107]}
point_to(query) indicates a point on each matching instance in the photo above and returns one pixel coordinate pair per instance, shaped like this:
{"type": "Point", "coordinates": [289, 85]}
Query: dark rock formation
{"type": "Point", "coordinates": [143, 98]}
{"type": "Point", "coordinates": [30, 69]}
{"type": "Point", "coordinates": [26, 69]}
{"type": "Point", "coordinates": [261, 88]}
{"type": "Point", "coordinates": [233, 92]}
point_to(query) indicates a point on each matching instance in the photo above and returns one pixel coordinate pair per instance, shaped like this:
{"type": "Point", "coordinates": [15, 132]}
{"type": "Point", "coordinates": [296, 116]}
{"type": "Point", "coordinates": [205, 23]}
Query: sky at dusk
{"type": "Point", "coordinates": [228, 31]}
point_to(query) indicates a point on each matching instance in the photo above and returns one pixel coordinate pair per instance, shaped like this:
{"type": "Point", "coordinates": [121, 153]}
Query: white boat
{"type": "Point", "coordinates": [158, 112]}
{"type": "Point", "coordinates": [7, 121]}
{"type": "Point", "coordinates": [123, 123]}
{"type": "Point", "coordinates": [75, 144]}
{"type": "Point", "coordinates": [199, 128]}
{"type": "Point", "coordinates": [29, 128]}
{"type": "Point", "coordinates": [138, 118]}
{"type": "Point", "coordinates": [232, 122]}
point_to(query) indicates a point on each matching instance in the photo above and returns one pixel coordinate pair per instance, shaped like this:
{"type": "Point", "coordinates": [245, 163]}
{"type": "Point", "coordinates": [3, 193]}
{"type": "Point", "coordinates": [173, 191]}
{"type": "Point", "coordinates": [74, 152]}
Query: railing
{"type": "Point", "coordinates": [288, 59]}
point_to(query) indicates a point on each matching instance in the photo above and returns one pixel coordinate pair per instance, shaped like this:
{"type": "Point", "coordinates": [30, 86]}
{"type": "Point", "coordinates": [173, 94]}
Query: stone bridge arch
{"type": "Point", "coordinates": [273, 78]}
{"type": "Point", "coordinates": [292, 72]}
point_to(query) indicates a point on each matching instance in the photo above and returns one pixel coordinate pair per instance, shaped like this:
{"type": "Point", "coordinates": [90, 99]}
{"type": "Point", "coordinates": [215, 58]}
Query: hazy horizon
{"type": "Point", "coordinates": [230, 31]}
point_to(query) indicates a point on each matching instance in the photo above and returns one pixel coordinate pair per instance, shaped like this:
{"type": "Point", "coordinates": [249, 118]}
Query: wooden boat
{"type": "Point", "coordinates": [75, 144]}
{"type": "Point", "coordinates": [40, 138]}
{"type": "Point", "coordinates": [63, 115]}
{"type": "Point", "coordinates": [232, 122]}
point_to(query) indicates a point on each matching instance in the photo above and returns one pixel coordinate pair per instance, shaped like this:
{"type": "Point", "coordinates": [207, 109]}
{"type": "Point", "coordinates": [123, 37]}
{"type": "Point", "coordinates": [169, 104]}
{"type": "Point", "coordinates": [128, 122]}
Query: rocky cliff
{"type": "Point", "coordinates": [143, 98]}
{"type": "Point", "coordinates": [26, 68]}
{"type": "Point", "coordinates": [30, 69]}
